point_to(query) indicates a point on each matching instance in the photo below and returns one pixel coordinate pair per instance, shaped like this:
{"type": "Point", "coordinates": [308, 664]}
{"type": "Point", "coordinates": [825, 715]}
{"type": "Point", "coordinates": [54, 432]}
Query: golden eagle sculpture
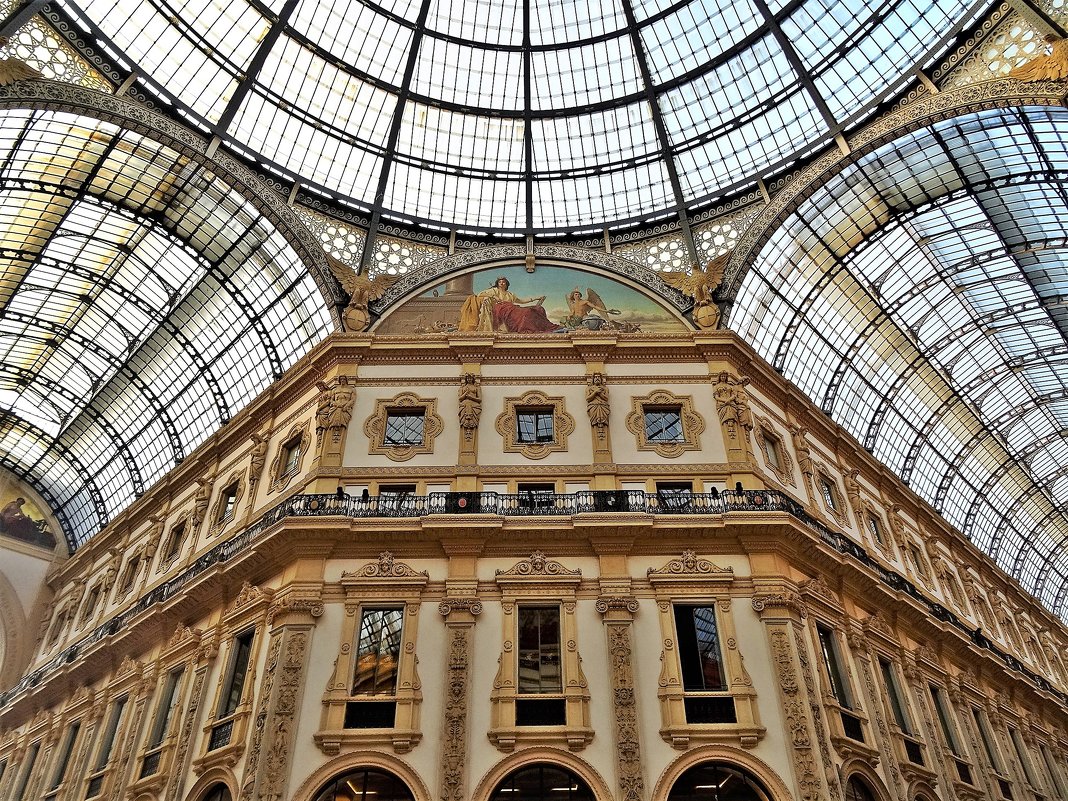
{"type": "Point", "coordinates": [13, 70]}
{"type": "Point", "coordinates": [699, 284]}
{"type": "Point", "coordinates": [1052, 67]}
{"type": "Point", "coordinates": [362, 290]}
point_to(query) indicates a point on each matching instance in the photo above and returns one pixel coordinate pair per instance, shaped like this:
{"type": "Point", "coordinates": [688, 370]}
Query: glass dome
{"type": "Point", "coordinates": [523, 116]}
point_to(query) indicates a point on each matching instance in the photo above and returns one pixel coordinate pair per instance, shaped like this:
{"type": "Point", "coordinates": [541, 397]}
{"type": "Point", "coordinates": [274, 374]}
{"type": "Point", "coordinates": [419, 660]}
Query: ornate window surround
{"type": "Point", "coordinates": [825, 474]}
{"type": "Point", "coordinates": [785, 471]}
{"type": "Point", "coordinates": [693, 424]}
{"type": "Point", "coordinates": [179, 653]}
{"type": "Point", "coordinates": [539, 580]}
{"type": "Point", "coordinates": [692, 580]}
{"type": "Point", "coordinates": [507, 425]}
{"type": "Point", "coordinates": [185, 523]}
{"type": "Point", "coordinates": [375, 425]}
{"type": "Point", "coordinates": [280, 478]}
{"type": "Point", "coordinates": [248, 611]}
{"type": "Point", "coordinates": [884, 545]}
{"type": "Point", "coordinates": [236, 478]}
{"type": "Point", "coordinates": [378, 583]}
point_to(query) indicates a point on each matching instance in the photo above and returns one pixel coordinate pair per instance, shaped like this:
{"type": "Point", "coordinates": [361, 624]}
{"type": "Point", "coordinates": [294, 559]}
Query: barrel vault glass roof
{"type": "Point", "coordinates": [921, 296]}
{"type": "Point", "coordinates": [527, 116]}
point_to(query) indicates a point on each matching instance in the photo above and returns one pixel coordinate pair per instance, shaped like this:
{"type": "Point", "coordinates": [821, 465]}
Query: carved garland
{"type": "Point", "coordinates": [693, 424]}
{"type": "Point", "coordinates": [375, 426]}
{"type": "Point", "coordinates": [507, 425]}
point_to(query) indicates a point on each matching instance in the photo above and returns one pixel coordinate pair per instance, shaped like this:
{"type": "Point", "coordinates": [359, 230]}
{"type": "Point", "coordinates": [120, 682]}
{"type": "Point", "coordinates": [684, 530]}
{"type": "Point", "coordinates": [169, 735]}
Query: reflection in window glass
{"type": "Point", "coordinates": [699, 650]}
{"type": "Point", "coordinates": [663, 424]}
{"type": "Point", "coordinates": [542, 782]}
{"type": "Point", "coordinates": [378, 652]}
{"type": "Point", "coordinates": [713, 781]}
{"type": "Point", "coordinates": [539, 649]}
{"type": "Point", "coordinates": [365, 785]}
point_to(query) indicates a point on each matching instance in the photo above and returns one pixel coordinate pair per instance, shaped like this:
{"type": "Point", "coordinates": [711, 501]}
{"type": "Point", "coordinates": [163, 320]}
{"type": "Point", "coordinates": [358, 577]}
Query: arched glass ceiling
{"type": "Point", "coordinates": [524, 115]}
{"type": "Point", "coordinates": [143, 302]}
{"type": "Point", "coordinates": [920, 297]}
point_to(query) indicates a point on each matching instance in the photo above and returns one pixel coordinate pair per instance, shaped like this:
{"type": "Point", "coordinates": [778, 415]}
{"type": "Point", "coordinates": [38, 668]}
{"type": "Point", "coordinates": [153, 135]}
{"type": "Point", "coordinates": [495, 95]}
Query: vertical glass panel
{"type": "Point", "coordinates": [539, 649]}
{"type": "Point", "coordinates": [168, 701]}
{"type": "Point", "coordinates": [829, 652]}
{"type": "Point", "coordinates": [944, 722]}
{"type": "Point", "coordinates": [107, 740]}
{"type": "Point", "coordinates": [700, 656]}
{"type": "Point", "coordinates": [378, 652]}
{"type": "Point", "coordinates": [235, 682]}
{"type": "Point", "coordinates": [894, 694]}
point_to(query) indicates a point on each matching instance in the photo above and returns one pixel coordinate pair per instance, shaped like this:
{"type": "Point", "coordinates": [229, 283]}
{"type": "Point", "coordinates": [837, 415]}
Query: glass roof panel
{"type": "Point", "coordinates": [912, 316]}
{"type": "Point", "coordinates": [317, 107]}
{"type": "Point", "coordinates": [147, 331]}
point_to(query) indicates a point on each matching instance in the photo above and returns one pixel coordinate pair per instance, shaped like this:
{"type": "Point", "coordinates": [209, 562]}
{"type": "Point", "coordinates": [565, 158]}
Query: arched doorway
{"type": "Point", "coordinates": [717, 781]}
{"type": "Point", "coordinates": [858, 790]}
{"type": "Point", "coordinates": [542, 782]}
{"type": "Point", "coordinates": [218, 792]}
{"type": "Point", "coordinates": [365, 784]}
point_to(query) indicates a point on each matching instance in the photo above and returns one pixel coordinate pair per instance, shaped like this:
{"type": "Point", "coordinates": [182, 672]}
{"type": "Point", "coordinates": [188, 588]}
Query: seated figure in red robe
{"type": "Point", "coordinates": [498, 309]}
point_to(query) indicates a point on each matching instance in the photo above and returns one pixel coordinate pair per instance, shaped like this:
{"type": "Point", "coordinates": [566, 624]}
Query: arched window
{"type": "Point", "coordinates": [858, 790]}
{"type": "Point", "coordinates": [715, 781]}
{"type": "Point", "coordinates": [365, 784]}
{"type": "Point", "coordinates": [542, 782]}
{"type": "Point", "coordinates": [218, 792]}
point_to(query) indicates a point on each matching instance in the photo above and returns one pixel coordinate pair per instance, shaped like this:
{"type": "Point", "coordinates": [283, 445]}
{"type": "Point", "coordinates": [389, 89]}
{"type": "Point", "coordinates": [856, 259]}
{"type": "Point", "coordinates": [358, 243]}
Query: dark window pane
{"type": "Point", "coordinates": [829, 651]}
{"type": "Point", "coordinates": [404, 427]}
{"type": "Point", "coordinates": [365, 785]}
{"type": "Point", "coordinates": [542, 782]}
{"type": "Point", "coordinates": [890, 682]}
{"type": "Point", "coordinates": [699, 652]}
{"type": "Point", "coordinates": [168, 700]}
{"type": "Point", "coordinates": [534, 425]}
{"type": "Point", "coordinates": [235, 683]}
{"type": "Point", "coordinates": [663, 424]}
{"type": "Point", "coordinates": [539, 649]}
{"type": "Point", "coordinates": [378, 652]}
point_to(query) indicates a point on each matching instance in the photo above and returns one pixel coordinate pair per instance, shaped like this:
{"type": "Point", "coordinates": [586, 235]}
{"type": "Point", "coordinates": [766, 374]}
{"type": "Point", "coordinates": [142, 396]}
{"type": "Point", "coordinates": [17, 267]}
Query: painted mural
{"type": "Point", "coordinates": [552, 300]}
{"type": "Point", "coordinates": [20, 516]}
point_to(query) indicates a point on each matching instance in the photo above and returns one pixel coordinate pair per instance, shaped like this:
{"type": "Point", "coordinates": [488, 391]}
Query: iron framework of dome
{"type": "Point", "coordinates": [522, 116]}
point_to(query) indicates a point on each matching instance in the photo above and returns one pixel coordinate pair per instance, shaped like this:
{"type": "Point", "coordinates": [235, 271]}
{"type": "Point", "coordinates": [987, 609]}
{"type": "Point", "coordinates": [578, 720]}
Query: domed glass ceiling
{"type": "Point", "coordinates": [523, 115]}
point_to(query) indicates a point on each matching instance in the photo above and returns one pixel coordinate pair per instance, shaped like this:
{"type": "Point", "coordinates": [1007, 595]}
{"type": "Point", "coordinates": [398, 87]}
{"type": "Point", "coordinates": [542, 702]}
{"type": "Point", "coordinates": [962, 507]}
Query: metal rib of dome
{"type": "Point", "coordinates": [919, 296]}
{"type": "Point", "coordinates": [145, 301]}
{"type": "Point", "coordinates": [524, 115]}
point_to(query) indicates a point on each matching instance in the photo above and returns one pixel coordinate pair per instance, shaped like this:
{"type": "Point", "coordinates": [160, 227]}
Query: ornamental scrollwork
{"type": "Point", "coordinates": [539, 565]}
{"type": "Point", "coordinates": [385, 567]}
{"type": "Point", "coordinates": [689, 565]}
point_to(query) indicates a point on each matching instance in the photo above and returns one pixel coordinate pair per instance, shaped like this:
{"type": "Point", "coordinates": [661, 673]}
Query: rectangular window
{"type": "Point", "coordinates": [107, 740]}
{"type": "Point", "coordinates": [987, 738]}
{"type": "Point", "coordinates": [291, 456]}
{"type": "Point", "coordinates": [235, 677]}
{"type": "Point", "coordinates": [227, 503]}
{"type": "Point", "coordinates": [394, 496]}
{"type": "Point", "coordinates": [27, 771]}
{"type": "Point", "coordinates": [65, 751]}
{"type": "Point", "coordinates": [129, 575]}
{"type": "Point", "coordinates": [663, 423]}
{"type": "Point", "coordinates": [539, 650]}
{"type": "Point", "coordinates": [772, 444]}
{"type": "Point", "coordinates": [378, 652]}
{"type": "Point", "coordinates": [876, 529]}
{"type": "Point", "coordinates": [830, 493]}
{"type": "Point", "coordinates": [1054, 772]}
{"type": "Point", "coordinates": [700, 656]}
{"type": "Point", "coordinates": [1024, 757]}
{"type": "Point", "coordinates": [832, 665]}
{"type": "Point", "coordinates": [535, 496]}
{"type": "Point", "coordinates": [944, 721]}
{"type": "Point", "coordinates": [534, 424]}
{"type": "Point", "coordinates": [917, 560]}
{"type": "Point", "coordinates": [168, 701]}
{"type": "Point", "coordinates": [674, 494]}
{"type": "Point", "coordinates": [91, 600]}
{"type": "Point", "coordinates": [893, 693]}
{"type": "Point", "coordinates": [405, 426]}
{"type": "Point", "coordinates": [174, 543]}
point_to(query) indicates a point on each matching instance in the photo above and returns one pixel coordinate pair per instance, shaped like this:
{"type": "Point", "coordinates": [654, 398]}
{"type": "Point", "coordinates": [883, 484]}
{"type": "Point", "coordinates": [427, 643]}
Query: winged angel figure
{"type": "Point", "coordinates": [699, 284]}
{"type": "Point", "coordinates": [362, 290]}
{"type": "Point", "coordinates": [1053, 67]}
{"type": "Point", "coordinates": [589, 311]}
{"type": "Point", "coordinates": [14, 69]}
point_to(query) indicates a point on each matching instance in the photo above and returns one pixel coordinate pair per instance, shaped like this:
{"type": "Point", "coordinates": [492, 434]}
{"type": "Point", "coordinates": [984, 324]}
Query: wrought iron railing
{"type": "Point", "coordinates": [523, 504]}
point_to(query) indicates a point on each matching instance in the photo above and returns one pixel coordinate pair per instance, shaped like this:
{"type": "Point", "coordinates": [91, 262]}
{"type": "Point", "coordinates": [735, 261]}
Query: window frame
{"type": "Point", "coordinates": [695, 582]}
{"type": "Point", "coordinates": [507, 424]}
{"type": "Point", "coordinates": [539, 582]}
{"type": "Point", "coordinates": [375, 428]}
{"type": "Point", "coordinates": [382, 584]}
{"type": "Point", "coordinates": [289, 457]}
{"type": "Point", "coordinates": [692, 423]}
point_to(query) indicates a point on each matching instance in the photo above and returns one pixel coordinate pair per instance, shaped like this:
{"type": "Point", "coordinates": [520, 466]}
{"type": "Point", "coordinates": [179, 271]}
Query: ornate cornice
{"type": "Point", "coordinates": [385, 567]}
{"type": "Point", "coordinates": [538, 566]}
{"type": "Point", "coordinates": [689, 565]}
